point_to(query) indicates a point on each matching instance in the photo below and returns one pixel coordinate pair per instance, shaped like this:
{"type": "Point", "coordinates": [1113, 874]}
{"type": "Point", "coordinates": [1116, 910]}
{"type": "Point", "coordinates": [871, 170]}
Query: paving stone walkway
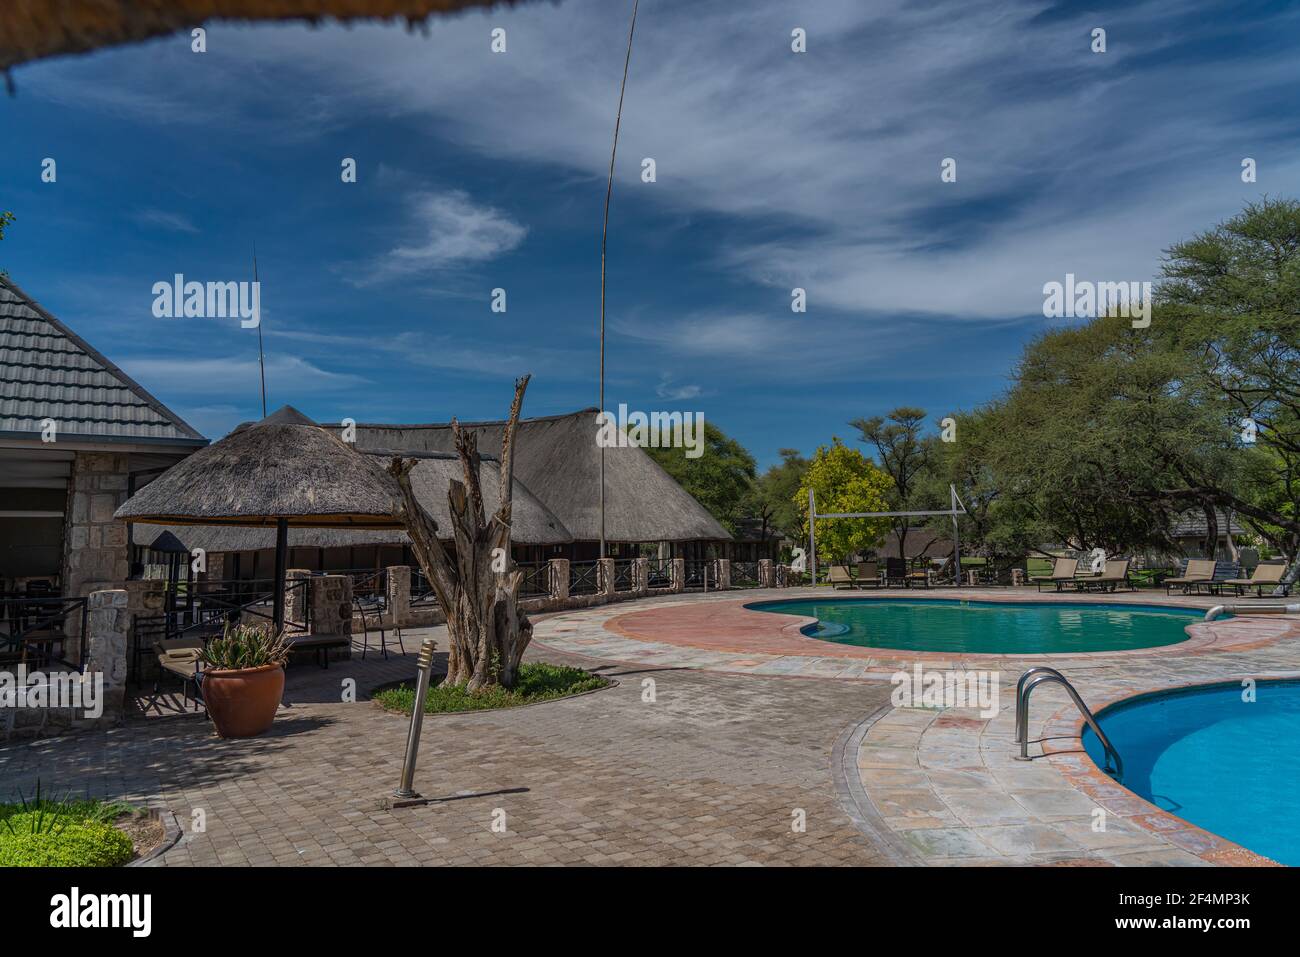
{"type": "Point", "coordinates": [704, 753]}
{"type": "Point", "coordinates": [714, 770]}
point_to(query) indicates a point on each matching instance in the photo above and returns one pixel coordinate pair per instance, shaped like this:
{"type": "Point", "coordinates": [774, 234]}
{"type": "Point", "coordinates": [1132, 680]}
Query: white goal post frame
{"type": "Point", "coordinates": [957, 508]}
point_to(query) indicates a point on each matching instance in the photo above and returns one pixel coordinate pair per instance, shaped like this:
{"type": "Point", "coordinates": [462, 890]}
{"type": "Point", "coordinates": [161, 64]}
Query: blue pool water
{"type": "Point", "coordinates": [1204, 754]}
{"type": "Point", "coordinates": [987, 627]}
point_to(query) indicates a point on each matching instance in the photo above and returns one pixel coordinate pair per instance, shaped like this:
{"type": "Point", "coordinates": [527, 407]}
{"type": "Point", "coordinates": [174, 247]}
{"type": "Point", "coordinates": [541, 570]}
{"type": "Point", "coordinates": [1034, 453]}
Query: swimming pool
{"type": "Point", "coordinates": [985, 627]}
{"type": "Point", "coordinates": [1224, 764]}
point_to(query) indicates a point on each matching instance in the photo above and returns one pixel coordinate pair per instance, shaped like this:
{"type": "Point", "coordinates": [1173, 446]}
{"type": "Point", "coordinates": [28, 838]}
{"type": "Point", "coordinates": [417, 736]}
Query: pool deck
{"type": "Point", "coordinates": [945, 786]}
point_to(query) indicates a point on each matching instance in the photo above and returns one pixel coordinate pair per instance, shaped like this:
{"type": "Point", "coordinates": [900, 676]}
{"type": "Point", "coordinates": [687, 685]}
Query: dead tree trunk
{"type": "Point", "coordinates": [478, 591]}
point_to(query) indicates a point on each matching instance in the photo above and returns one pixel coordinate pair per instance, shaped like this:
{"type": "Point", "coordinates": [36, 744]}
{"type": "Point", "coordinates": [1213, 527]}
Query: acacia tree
{"type": "Point", "coordinates": [478, 589]}
{"type": "Point", "coordinates": [904, 454]}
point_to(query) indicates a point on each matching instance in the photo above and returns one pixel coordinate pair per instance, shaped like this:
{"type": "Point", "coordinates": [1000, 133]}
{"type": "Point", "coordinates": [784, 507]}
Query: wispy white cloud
{"type": "Point", "coordinates": [448, 231]}
{"type": "Point", "coordinates": [235, 376]}
{"type": "Point", "coordinates": [162, 219]}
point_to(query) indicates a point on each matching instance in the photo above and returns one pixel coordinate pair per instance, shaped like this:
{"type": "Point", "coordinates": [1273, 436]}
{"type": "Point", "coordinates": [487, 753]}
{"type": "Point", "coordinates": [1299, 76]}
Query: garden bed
{"type": "Point", "coordinates": [76, 833]}
{"type": "Point", "coordinates": [537, 682]}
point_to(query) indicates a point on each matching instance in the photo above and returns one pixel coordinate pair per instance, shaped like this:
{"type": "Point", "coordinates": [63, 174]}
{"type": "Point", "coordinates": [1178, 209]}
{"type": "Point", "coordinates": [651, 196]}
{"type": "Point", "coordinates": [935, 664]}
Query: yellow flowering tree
{"type": "Point", "coordinates": [844, 480]}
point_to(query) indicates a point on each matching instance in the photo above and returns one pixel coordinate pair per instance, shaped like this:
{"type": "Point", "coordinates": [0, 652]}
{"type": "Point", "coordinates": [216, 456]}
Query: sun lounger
{"type": "Point", "coordinates": [840, 577]}
{"type": "Point", "coordinates": [868, 573]}
{"type": "Point", "coordinates": [1264, 576]}
{"type": "Point", "coordinates": [1200, 571]}
{"type": "Point", "coordinates": [1114, 575]}
{"type": "Point", "coordinates": [1063, 570]}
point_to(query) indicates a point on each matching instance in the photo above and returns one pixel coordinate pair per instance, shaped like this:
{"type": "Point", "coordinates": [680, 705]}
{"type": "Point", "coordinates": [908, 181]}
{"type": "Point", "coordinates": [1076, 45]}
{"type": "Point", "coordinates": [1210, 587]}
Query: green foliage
{"type": "Point", "coordinates": [844, 480]}
{"type": "Point", "coordinates": [721, 477]}
{"type": "Point", "coordinates": [536, 681]}
{"type": "Point", "coordinates": [246, 646]}
{"type": "Point", "coordinates": [52, 833]}
{"type": "Point", "coordinates": [772, 498]}
{"type": "Point", "coordinates": [5, 219]}
{"type": "Point", "coordinates": [903, 453]}
{"type": "Point", "coordinates": [78, 844]}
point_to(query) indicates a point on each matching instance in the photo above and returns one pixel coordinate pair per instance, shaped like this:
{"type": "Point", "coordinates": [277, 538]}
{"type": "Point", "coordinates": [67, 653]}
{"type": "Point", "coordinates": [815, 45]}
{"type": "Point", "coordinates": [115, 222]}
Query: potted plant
{"type": "Point", "coordinates": [243, 679]}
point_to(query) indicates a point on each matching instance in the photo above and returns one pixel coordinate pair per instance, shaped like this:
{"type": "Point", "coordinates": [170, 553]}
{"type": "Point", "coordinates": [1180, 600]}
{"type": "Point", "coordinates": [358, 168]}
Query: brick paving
{"type": "Point", "coordinates": [711, 772]}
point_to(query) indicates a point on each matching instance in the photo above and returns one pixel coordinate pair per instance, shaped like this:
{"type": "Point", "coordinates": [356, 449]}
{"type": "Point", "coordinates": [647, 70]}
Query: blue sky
{"type": "Point", "coordinates": [479, 170]}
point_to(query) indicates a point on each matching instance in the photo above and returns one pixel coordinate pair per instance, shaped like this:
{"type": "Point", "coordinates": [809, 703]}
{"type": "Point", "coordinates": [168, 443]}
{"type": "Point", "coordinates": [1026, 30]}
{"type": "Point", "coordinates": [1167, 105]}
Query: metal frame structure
{"type": "Point", "coordinates": [956, 509]}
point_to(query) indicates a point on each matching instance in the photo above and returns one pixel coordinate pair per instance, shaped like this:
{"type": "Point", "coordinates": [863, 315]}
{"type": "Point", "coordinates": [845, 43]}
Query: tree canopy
{"type": "Point", "coordinates": [844, 480]}
{"type": "Point", "coordinates": [720, 478]}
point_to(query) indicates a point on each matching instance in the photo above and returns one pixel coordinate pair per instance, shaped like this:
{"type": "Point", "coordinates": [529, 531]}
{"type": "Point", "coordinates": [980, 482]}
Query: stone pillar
{"type": "Point", "coordinates": [331, 605]}
{"type": "Point", "coordinates": [641, 576]}
{"type": "Point", "coordinates": [297, 596]}
{"type": "Point", "coordinates": [108, 622]}
{"type": "Point", "coordinates": [1017, 577]}
{"type": "Point", "coordinates": [95, 553]}
{"type": "Point", "coordinates": [766, 577]}
{"type": "Point", "coordinates": [559, 576]}
{"type": "Point", "coordinates": [398, 586]}
{"type": "Point", "coordinates": [605, 575]}
{"type": "Point", "coordinates": [724, 574]}
{"type": "Point", "coordinates": [678, 575]}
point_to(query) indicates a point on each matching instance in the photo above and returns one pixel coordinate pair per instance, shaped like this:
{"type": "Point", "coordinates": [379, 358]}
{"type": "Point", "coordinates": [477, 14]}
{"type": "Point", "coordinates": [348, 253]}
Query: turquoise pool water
{"type": "Point", "coordinates": [987, 627]}
{"type": "Point", "coordinates": [1227, 765]}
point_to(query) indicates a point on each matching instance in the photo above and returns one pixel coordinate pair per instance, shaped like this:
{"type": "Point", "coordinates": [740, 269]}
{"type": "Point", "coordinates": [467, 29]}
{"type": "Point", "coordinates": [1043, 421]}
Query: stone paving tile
{"type": "Point", "coordinates": [710, 773]}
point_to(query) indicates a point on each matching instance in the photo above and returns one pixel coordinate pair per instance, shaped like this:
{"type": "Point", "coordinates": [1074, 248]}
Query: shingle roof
{"type": "Point", "coordinates": [48, 371]}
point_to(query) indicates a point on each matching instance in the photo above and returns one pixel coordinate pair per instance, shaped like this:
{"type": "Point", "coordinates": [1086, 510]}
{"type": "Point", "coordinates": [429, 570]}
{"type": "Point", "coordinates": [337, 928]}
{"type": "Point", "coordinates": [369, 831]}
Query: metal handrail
{"type": "Point", "coordinates": [1042, 675]}
{"type": "Point", "coordinates": [1218, 610]}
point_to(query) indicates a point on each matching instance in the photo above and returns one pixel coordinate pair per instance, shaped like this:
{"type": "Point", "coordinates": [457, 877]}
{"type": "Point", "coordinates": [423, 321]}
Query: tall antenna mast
{"type": "Point", "coordinates": [261, 361]}
{"type": "Point", "coordinates": [604, 234]}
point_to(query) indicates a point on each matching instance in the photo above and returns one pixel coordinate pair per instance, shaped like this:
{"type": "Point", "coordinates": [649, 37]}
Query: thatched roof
{"type": "Point", "coordinates": [558, 459]}
{"type": "Point", "coordinates": [31, 29]}
{"type": "Point", "coordinates": [284, 466]}
{"type": "Point", "coordinates": [532, 523]}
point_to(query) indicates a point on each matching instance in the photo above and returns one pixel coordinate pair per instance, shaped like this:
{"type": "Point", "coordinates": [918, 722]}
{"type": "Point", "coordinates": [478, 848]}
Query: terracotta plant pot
{"type": "Point", "coordinates": [242, 703]}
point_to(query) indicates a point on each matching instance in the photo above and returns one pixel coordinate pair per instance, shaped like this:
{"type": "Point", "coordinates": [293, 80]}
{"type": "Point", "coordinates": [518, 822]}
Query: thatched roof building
{"type": "Point", "coordinates": [31, 29]}
{"type": "Point", "coordinates": [557, 458]}
{"type": "Point", "coordinates": [532, 522]}
{"type": "Point", "coordinates": [557, 475]}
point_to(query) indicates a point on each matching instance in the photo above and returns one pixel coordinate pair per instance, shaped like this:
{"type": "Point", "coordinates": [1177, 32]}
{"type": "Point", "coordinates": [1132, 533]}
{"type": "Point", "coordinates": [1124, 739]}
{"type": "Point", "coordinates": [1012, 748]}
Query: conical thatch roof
{"type": "Point", "coordinates": [558, 459]}
{"type": "Point", "coordinates": [286, 467]}
{"type": "Point", "coordinates": [31, 29]}
{"type": "Point", "coordinates": [532, 523]}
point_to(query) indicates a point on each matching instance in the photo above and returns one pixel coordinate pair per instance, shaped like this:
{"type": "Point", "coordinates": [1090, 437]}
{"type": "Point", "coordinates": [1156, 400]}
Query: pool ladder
{"type": "Point", "coordinates": [1030, 680]}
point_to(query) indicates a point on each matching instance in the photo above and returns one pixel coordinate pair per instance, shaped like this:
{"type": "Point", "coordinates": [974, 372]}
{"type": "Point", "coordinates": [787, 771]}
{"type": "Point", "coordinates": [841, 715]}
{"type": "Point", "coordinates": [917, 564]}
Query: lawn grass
{"type": "Point", "coordinates": [537, 681]}
{"type": "Point", "coordinates": [51, 833]}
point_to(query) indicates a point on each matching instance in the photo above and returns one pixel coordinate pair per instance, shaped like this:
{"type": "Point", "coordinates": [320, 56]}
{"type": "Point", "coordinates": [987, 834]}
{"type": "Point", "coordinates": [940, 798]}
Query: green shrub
{"type": "Point", "coordinates": [537, 681]}
{"type": "Point", "coordinates": [246, 646]}
{"type": "Point", "coordinates": [78, 843]}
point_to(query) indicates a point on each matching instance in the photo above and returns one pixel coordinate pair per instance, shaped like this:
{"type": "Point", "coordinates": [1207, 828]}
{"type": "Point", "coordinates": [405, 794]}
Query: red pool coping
{"type": "Point", "coordinates": [1079, 770]}
{"type": "Point", "coordinates": [727, 626]}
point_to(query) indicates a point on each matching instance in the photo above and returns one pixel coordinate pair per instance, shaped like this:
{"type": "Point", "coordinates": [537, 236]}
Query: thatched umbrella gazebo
{"type": "Point", "coordinates": [280, 472]}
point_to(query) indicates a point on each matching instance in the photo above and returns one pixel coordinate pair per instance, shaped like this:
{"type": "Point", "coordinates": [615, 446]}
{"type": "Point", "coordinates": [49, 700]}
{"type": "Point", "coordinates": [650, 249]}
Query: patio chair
{"type": "Point", "coordinates": [918, 576]}
{"type": "Point", "coordinates": [1264, 575]}
{"type": "Point", "coordinates": [1063, 570]}
{"type": "Point", "coordinates": [365, 607]}
{"type": "Point", "coordinates": [868, 573]}
{"type": "Point", "coordinates": [840, 576]}
{"type": "Point", "coordinates": [895, 572]}
{"type": "Point", "coordinates": [182, 658]}
{"type": "Point", "coordinates": [1113, 575]}
{"type": "Point", "coordinates": [1199, 571]}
